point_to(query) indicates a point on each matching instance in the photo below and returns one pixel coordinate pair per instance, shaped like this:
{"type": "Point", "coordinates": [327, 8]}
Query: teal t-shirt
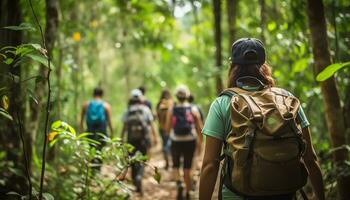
{"type": "Point", "coordinates": [218, 125]}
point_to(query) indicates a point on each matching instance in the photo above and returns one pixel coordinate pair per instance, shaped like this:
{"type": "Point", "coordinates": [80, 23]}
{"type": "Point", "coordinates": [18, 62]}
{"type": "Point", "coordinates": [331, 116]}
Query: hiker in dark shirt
{"type": "Point", "coordinates": [139, 129]}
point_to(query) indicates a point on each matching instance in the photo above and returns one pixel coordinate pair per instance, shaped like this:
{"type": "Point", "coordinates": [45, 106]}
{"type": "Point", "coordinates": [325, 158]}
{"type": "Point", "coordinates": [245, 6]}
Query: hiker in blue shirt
{"type": "Point", "coordinates": [97, 113]}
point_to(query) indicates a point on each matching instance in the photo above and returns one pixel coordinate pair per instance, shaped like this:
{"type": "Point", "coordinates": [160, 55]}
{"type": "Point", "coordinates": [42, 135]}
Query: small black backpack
{"type": "Point", "coordinates": [182, 120]}
{"type": "Point", "coordinates": [137, 125]}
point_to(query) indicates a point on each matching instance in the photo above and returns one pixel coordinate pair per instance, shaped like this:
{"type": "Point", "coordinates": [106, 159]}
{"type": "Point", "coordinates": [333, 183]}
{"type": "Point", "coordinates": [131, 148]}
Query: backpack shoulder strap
{"type": "Point", "coordinates": [230, 92]}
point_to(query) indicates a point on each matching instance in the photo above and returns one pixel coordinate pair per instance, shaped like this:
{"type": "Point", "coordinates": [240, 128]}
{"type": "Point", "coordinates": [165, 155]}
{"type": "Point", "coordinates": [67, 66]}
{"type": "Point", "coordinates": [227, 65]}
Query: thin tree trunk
{"type": "Point", "coordinates": [262, 19]}
{"type": "Point", "coordinates": [231, 6]}
{"type": "Point", "coordinates": [76, 69]}
{"type": "Point", "coordinates": [218, 56]}
{"type": "Point", "coordinates": [173, 6]}
{"type": "Point", "coordinates": [39, 91]}
{"type": "Point", "coordinates": [333, 110]}
{"type": "Point", "coordinates": [59, 80]}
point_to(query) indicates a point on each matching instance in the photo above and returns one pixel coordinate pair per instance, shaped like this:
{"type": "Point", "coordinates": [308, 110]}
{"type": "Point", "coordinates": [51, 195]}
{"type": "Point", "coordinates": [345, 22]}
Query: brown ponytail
{"type": "Point", "coordinates": [263, 73]}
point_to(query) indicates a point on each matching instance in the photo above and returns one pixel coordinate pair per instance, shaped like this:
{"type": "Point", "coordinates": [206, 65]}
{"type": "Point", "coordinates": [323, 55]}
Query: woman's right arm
{"type": "Point", "coordinates": [210, 167]}
{"type": "Point", "coordinates": [313, 167]}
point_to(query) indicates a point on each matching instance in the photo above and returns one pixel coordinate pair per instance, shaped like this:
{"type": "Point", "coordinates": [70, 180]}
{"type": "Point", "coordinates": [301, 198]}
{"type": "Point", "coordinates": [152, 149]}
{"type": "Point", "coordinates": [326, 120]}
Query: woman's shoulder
{"type": "Point", "coordinates": [222, 100]}
{"type": "Point", "coordinates": [221, 104]}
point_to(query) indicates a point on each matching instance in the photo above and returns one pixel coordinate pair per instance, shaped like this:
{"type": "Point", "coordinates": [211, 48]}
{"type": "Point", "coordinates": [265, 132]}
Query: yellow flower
{"type": "Point", "coordinates": [52, 135]}
{"type": "Point", "coordinates": [76, 36]}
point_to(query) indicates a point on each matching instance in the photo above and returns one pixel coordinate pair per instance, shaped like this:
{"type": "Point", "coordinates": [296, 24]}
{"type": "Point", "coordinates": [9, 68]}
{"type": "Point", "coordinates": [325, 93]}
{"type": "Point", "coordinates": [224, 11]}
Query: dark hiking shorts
{"type": "Point", "coordinates": [97, 128]}
{"type": "Point", "coordinates": [185, 150]}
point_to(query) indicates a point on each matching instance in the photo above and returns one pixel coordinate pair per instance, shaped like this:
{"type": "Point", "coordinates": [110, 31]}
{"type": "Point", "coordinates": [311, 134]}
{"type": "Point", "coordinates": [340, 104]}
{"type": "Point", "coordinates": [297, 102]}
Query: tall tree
{"type": "Point", "coordinates": [262, 19]}
{"type": "Point", "coordinates": [39, 91]}
{"type": "Point", "coordinates": [231, 6]}
{"type": "Point", "coordinates": [333, 110]}
{"type": "Point", "coordinates": [10, 15]}
{"type": "Point", "coordinates": [218, 54]}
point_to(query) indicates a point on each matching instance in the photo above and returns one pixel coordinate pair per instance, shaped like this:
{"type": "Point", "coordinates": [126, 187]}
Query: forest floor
{"type": "Point", "coordinates": [166, 189]}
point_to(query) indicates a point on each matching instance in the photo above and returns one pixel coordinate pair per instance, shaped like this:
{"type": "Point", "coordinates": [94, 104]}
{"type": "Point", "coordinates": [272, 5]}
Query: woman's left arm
{"type": "Point", "coordinates": [312, 165]}
{"type": "Point", "coordinates": [210, 167]}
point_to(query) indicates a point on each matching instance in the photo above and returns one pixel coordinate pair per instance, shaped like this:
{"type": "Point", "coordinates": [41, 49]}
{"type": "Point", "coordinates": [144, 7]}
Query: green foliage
{"type": "Point", "coordinates": [5, 114]}
{"type": "Point", "coordinates": [330, 70]}
{"type": "Point", "coordinates": [74, 174]}
{"type": "Point", "coordinates": [332, 171]}
{"type": "Point", "coordinates": [120, 45]}
{"type": "Point", "coordinates": [21, 27]}
{"type": "Point", "coordinates": [15, 56]}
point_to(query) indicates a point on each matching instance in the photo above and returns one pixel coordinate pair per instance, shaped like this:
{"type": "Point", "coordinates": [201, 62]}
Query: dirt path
{"type": "Point", "coordinates": [167, 188]}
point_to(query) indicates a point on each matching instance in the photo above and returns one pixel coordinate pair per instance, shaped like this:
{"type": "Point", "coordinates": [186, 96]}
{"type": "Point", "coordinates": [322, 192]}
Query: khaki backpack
{"type": "Point", "coordinates": [265, 147]}
{"type": "Point", "coordinates": [162, 110]}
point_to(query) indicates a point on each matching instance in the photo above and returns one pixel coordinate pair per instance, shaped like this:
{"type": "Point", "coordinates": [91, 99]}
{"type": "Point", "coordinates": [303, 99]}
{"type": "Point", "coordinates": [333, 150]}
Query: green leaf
{"type": "Point", "coordinates": [34, 45]}
{"type": "Point", "coordinates": [8, 47]}
{"type": "Point", "coordinates": [129, 147]}
{"type": "Point", "coordinates": [13, 193]}
{"type": "Point", "coordinates": [23, 50]}
{"type": "Point", "coordinates": [71, 129]}
{"type": "Point", "coordinates": [5, 114]}
{"type": "Point", "coordinates": [157, 176]}
{"type": "Point", "coordinates": [41, 59]}
{"type": "Point", "coordinates": [56, 124]}
{"type": "Point", "coordinates": [5, 102]}
{"type": "Point", "coordinates": [8, 61]}
{"type": "Point", "coordinates": [3, 55]}
{"type": "Point", "coordinates": [48, 196]}
{"type": "Point", "coordinates": [21, 27]}
{"type": "Point", "coordinates": [53, 142]}
{"type": "Point", "coordinates": [91, 141]}
{"type": "Point", "coordinates": [31, 96]}
{"type": "Point", "coordinates": [82, 135]}
{"type": "Point", "coordinates": [330, 70]}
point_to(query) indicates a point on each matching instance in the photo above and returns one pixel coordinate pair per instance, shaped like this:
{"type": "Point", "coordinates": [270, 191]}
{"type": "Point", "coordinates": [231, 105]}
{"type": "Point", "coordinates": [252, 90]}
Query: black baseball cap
{"type": "Point", "coordinates": [246, 51]}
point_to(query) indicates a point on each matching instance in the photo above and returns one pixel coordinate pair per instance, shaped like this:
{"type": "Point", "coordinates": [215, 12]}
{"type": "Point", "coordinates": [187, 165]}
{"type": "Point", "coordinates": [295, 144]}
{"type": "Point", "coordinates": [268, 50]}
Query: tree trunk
{"type": "Point", "coordinates": [10, 15]}
{"type": "Point", "coordinates": [39, 90]}
{"type": "Point", "coordinates": [59, 79]}
{"type": "Point", "coordinates": [231, 19]}
{"type": "Point", "coordinates": [262, 19]}
{"type": "Point", "coordinates": [333, 110]}
{"type": "Point", "coordinates": [218, 56]}
{"type": "Point", "coordinates": [173, 6]}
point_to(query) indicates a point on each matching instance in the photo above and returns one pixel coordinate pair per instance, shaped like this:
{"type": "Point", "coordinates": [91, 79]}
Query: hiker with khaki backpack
{"type": "Point", "coordinates": [163, 106]}
{"type": "Point", "coordinates": [260, 133]}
